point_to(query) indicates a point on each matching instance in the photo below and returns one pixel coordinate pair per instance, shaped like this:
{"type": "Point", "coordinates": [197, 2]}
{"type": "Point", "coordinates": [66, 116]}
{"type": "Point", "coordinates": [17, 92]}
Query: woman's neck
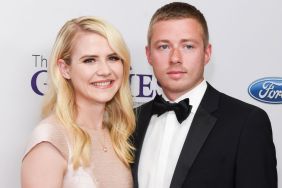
{"type": "Point", "coordinates": [91, 116]}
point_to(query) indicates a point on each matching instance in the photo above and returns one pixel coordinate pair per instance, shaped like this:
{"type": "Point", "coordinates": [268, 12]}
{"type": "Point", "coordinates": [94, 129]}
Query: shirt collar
{"type": "Point", "coordinates": [195, 95]}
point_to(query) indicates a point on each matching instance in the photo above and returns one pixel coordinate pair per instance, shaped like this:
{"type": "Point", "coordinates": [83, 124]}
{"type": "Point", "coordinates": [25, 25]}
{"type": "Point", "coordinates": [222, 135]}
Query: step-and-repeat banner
{"type": "Point", "coordinates": [246, 60]}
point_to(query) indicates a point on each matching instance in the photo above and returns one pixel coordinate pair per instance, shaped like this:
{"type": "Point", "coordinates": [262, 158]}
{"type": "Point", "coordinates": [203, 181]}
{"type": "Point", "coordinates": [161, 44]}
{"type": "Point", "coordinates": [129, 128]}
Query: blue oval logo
{"type": "Point", "coordinates": [268, 90]}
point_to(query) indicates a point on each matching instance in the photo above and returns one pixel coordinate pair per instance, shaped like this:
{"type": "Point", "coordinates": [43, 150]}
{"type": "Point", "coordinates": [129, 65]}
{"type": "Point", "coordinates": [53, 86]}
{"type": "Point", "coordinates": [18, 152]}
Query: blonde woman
{"type": "Point", "coordinates": [83, 139]}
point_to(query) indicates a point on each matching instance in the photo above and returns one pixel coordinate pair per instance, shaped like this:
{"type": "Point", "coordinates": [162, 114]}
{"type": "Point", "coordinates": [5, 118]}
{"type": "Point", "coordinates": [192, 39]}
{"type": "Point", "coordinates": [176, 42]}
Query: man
{"type": "Point", "coordinates": [223, 143]}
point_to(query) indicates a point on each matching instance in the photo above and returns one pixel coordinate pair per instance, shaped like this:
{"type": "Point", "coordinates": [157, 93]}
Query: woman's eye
{"type": "Point", "coordinates": [114, 58]}
{"type": "Point", "coordinates": [89, 60]}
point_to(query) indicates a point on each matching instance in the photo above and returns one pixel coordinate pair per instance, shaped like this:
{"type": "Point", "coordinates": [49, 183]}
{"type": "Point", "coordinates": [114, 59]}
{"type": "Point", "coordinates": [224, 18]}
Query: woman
{"type": "Point", "coordinates": [83, 140]}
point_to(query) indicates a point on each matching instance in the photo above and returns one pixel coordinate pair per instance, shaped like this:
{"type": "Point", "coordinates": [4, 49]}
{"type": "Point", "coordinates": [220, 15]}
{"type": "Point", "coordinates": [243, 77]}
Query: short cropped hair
{"type": "Point", "coordinates": [179, 10]}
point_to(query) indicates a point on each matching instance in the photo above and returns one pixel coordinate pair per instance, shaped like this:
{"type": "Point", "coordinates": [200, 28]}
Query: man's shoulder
{"type": "Point", "coordinates": [144, 106]}
{"type": "Point", "coordinates": [237, 102]}
{"type": "Point", "coordinates": [239, 106]}
{"type": "Point", "coordinates": [143, 109]}
{"type": "Point", "coordinates": [227, 102]}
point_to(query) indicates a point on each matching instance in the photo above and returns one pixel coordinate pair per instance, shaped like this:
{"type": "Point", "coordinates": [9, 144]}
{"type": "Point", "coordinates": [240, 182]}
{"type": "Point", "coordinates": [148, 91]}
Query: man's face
{"type": "Point", "coordinates": [178, 55]}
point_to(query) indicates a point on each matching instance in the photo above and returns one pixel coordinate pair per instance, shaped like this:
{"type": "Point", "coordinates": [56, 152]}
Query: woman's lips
{"type": "Point", "coordinates": [103, 84]}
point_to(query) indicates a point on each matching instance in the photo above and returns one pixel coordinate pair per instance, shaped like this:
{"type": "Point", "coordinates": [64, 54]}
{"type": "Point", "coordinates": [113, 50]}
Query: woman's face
{"type": "Point", "coordinates": [96, 71]}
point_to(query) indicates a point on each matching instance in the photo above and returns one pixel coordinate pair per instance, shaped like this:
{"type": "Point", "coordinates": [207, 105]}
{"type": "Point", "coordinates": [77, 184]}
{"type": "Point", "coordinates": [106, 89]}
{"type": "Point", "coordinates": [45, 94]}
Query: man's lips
{"type": "Point", "coordinates": [176, 74]}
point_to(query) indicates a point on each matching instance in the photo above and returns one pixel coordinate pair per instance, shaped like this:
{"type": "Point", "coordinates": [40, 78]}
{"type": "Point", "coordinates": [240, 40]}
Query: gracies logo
{"type": "Point", "coordinates": [39, 78]}
{"type": "Point", "coordinates": [268, 90]}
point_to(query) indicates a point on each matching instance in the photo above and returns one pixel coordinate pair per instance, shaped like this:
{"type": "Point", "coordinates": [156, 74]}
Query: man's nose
{"type": "Point", "coordinates": [175, 56]}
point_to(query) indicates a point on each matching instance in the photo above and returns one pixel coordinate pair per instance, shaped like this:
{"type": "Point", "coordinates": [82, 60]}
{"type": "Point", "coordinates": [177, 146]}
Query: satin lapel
{"type": "Point", "coordinates": [201, 126]}
{"type": "Point", "coordinates": [143, 117]}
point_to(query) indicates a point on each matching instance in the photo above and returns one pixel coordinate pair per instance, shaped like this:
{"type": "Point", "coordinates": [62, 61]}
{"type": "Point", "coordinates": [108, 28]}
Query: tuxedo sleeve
{"type": "Point", "coordinates": [256, 158]}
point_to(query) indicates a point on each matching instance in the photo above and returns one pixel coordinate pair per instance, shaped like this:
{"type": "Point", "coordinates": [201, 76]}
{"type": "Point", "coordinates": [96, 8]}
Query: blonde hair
{"type": "Point", "coordinates": [179, 10]}
{"type": "Point", "coordinates": [60, 98]}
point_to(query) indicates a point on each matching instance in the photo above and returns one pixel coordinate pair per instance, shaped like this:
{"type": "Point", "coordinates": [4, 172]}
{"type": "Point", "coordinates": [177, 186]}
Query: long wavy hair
{"type": "Point", "coordinates": [60, 97]}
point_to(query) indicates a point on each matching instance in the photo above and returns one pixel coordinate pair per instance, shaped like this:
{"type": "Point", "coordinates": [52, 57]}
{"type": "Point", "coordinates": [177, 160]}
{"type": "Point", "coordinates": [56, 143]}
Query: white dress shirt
{"type": "Point", "coordinates": [163, 143]}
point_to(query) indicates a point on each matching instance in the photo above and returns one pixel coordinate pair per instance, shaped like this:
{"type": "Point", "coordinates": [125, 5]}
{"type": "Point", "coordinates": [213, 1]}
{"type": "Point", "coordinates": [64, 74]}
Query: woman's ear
{"type": "Point", "coordinates": [64, 68]}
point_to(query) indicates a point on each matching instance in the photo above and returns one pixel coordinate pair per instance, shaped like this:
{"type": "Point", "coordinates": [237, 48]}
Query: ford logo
{"type": "Point", "coordinates": [268, 90]}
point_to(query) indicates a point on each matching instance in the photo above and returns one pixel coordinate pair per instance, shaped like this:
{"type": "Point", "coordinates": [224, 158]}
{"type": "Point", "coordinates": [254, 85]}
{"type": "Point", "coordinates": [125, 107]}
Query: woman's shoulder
{"type": "Point", "coordinates": [50, 130]}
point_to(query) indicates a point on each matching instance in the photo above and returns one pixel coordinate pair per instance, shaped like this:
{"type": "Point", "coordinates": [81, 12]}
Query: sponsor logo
{"type": "Point", "coordinates": [267, 90]}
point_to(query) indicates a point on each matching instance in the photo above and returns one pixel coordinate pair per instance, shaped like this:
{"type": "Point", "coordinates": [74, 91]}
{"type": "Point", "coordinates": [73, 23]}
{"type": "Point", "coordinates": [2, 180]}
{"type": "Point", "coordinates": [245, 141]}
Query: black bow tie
{"type": "Point", "coordinates": [182, 109]}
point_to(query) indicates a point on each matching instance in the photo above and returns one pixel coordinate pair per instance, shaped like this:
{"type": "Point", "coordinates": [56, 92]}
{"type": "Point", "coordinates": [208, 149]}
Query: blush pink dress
{"type": "Point", "coordinates": [106, 169]}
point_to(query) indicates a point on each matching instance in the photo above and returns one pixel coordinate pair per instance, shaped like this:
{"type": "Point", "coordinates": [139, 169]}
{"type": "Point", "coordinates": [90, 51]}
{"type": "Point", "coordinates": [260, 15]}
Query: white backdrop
{"type": "Point", "coordinates": [246, 39]}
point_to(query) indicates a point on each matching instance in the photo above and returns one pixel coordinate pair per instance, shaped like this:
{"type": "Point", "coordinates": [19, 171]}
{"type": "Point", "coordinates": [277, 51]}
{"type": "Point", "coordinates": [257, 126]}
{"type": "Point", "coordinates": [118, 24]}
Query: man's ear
{"type": "Point", "coordinates": [208, 52]}
{"type": "Point", "coordinates": [148, 54]}
{"type": "Point", "coordinates": [64, 68]}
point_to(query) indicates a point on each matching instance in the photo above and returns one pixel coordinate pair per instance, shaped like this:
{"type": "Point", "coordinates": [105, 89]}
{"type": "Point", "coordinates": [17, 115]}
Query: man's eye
{"type": "Point", "coordinates": [89, 60]}
{"type": "Point", "coordinates": [163, 47]}
{"type": "Point", "coordinates": [189, 46]}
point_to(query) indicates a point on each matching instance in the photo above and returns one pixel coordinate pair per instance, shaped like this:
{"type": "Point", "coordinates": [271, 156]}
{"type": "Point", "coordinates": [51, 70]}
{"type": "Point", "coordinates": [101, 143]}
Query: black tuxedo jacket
{"type": "Point", "coordinates": [229, 145]}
